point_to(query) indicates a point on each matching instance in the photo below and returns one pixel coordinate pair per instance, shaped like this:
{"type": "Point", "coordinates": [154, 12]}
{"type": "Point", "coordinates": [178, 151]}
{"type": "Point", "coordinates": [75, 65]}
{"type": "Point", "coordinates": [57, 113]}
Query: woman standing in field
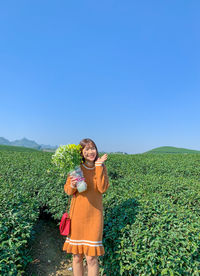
{"type": "Point", "coordinates": [87, 211]}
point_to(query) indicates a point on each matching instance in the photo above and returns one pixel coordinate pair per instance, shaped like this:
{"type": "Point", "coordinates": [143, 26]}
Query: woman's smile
{"type": "Point", "coordinates": [91, 156]}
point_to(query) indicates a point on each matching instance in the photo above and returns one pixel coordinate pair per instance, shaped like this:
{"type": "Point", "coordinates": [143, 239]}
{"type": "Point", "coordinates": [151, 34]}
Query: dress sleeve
{"type": "Point", "coordinates": [102, 177]}
{"type": "Point", "coordinates": [68, 188]}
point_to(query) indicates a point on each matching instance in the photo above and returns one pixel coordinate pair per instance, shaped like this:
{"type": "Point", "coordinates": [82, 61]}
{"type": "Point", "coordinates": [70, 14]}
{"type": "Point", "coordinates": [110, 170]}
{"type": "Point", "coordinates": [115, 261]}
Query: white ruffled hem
{"type": "Point", "coordinates": [84, 249]}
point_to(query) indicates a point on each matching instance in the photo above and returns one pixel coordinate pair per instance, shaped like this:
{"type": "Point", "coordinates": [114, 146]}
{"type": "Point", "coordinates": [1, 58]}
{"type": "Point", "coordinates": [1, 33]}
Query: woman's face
{"type": "Point", "coordinates": [89, 152]}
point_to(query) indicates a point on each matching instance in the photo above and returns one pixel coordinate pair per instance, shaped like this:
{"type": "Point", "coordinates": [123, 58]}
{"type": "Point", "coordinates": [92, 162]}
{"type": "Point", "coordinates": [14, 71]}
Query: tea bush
{"type": "Point", "coordinates": [151, 211]}
{"type": "Point", "coordinates": [153, 226]}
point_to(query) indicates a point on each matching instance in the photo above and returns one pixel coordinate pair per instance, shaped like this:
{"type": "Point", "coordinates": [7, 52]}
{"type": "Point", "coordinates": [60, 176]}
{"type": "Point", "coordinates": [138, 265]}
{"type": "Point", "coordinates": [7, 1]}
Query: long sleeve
{"type": "Point", "coordinates": [68, 188]}
{"type": "Point", "coordinates": [102, 177]}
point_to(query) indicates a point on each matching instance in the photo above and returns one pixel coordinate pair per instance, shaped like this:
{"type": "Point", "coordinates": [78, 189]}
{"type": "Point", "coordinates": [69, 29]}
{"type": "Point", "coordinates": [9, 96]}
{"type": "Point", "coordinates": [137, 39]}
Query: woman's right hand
{"type": "Point", "coordinates": [73, 181]}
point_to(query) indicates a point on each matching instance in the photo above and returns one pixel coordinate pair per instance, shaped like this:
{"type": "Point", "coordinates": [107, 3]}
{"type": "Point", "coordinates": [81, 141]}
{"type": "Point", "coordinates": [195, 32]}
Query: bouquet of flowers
{"type": "Point", "coordinates": [68, 159]}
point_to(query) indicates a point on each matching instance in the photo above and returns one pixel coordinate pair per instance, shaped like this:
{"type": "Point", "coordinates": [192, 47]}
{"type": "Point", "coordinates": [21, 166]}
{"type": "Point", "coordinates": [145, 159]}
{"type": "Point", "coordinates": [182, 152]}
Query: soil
{"type": "Point", "coordinates": [46, 251]}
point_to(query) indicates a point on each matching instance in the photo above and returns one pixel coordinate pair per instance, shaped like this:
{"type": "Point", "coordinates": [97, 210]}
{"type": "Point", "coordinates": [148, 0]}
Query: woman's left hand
{"type": "Point", "coordinates": [103, 158]}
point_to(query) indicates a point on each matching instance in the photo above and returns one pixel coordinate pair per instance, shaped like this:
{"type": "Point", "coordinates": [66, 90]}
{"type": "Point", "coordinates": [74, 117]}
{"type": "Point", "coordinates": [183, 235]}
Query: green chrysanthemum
{"type": "Point", "coordinates": [67, 157]}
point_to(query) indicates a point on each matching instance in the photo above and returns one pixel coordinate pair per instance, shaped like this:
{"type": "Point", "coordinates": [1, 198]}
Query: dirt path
{"type": "Point", "coordinates": [46, 250]}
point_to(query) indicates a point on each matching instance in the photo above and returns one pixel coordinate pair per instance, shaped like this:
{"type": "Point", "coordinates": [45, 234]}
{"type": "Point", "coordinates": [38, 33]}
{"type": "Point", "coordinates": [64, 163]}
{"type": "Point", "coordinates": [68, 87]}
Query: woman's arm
{"type": "Point", "coordinates": [68, 187]}
{"type": "Point", "coordinates": [102, 177]}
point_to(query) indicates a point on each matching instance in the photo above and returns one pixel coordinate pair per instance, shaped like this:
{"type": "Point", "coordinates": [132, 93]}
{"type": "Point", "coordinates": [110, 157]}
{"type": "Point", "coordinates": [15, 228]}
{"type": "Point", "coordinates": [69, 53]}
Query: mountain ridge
{"type": "Point", "coordinates": [24, 142]}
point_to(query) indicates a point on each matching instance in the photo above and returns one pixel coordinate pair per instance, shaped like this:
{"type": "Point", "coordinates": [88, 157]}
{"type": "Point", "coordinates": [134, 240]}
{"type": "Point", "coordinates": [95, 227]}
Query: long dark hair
{"type": "Point", "coordinates": [85, 142]}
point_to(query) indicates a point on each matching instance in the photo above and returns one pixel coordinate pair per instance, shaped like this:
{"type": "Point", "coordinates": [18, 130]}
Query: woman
{"type": "Point", "coordinates": [86, 211]}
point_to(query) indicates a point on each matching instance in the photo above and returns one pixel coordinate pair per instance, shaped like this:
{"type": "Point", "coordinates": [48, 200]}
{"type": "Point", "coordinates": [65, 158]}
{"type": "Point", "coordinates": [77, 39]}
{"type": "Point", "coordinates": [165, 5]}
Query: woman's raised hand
{"type": "Point", "coordinates": [103, 158]}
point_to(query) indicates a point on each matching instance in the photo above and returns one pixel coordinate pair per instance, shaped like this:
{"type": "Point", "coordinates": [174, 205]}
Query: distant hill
{"type": "Point", "coordinates": [24, 142]}
{"type": "Point", "coordinates": [171, 150]}
{"type": "Point", "coordinates": [4, 141]}
{"type": "Point", "coordinates": [15, 148]}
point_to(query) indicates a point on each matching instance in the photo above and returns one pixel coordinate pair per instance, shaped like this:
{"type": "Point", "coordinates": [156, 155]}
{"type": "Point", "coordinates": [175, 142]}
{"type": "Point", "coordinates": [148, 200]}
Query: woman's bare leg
{"type": "Point", "coordinates": [93, 265]}
{"type": "Point", "coordinates": [78, 264]}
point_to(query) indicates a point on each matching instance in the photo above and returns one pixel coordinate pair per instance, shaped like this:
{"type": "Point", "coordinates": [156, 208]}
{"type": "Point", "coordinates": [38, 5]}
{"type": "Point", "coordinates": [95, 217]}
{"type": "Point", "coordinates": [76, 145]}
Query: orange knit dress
{"type": "Point", "coordinates": [86, 212]}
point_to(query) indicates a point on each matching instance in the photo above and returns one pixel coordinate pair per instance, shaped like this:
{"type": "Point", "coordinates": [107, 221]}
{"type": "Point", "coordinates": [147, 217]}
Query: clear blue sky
{"type": "Point", "coordinates": [123, 73]}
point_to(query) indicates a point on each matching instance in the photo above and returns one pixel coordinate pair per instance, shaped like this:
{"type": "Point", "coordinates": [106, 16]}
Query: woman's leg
{"type": "Point", "coordinates": [93, 265]}
{"type": "Point", "coordinates": [78, 264]}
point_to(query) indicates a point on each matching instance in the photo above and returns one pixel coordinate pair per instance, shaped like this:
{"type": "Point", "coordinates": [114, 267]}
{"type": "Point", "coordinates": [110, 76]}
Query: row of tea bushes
{"type": "Point", "coordinates": [24, 177]}
{"type": "Point", "coordinates": [152, 220]}
{"type": "Point", "coordinates": [151, 211]}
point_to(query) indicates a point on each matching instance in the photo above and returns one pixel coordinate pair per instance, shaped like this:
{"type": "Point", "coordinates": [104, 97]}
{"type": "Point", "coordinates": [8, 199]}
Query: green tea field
{"type": "Point", "coordinates": [151, 211]}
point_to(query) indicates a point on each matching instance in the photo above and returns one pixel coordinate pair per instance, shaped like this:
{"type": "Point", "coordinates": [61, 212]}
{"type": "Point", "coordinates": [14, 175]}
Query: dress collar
{"type": "Point", "coordinates": [89, 168]}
